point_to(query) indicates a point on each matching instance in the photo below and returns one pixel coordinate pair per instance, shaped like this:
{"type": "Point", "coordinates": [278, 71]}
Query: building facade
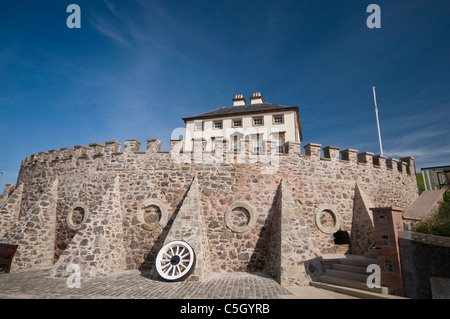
{"type": "Point", "coordinates": [257, 122]}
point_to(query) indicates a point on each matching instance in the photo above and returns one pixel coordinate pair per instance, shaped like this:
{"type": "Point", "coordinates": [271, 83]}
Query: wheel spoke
{"type": "Point", "coordinates": [175, 260]}
{"type": "Point", "coordinates": [168, 270]}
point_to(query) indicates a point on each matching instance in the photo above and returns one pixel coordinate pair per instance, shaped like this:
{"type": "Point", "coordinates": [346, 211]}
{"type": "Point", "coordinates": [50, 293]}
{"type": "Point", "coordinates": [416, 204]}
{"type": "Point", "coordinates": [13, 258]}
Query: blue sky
{"type": "Point", "coordinates": [136, 67]}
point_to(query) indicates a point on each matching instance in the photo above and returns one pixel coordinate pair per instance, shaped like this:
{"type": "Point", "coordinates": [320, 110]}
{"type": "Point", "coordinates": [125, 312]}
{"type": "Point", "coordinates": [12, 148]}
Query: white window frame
{"type": "Point", "coordinates": [258, 144]}
{"type": "Point", "coordinates": [281, 117]}
{"type": "Point", "coordinates": [260, 118]}
{"type": "Point", "coordinates": [236, 145]}
{"type": "Point", "coordinates": [196, 126]}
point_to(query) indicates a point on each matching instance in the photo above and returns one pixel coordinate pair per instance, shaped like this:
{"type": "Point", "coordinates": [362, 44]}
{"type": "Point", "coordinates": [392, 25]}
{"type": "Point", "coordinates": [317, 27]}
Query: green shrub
{"type": "Point", "coordinates": [438, 224]}
{"type": "Point", "coordinates": [420, 182]}
{"type": "Point", "coordinates": [446, 196]}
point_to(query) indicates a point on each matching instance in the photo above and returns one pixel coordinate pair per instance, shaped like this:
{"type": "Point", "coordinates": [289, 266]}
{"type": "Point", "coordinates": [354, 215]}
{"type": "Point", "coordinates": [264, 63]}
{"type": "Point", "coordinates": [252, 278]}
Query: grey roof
{"type": "Point", "coordinates": [248, 108]}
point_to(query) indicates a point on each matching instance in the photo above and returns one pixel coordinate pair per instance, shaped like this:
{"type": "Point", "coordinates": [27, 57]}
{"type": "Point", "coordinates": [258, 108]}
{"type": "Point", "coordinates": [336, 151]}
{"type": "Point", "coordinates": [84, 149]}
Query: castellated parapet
{"type": "Point", "coordinates": [243, 203]}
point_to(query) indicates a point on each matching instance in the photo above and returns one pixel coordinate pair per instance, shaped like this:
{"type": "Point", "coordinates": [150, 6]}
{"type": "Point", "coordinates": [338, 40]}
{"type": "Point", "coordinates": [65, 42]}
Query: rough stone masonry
{"type": "Point", "coordinates": [107, 210]}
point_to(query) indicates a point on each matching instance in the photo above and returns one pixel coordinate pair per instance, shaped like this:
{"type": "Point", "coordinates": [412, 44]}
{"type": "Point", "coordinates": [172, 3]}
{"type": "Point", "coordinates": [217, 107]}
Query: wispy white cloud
{"type": "Point", "coordinates": [106, 28]}
{"type": "Point", "coordinates": [145, 29]}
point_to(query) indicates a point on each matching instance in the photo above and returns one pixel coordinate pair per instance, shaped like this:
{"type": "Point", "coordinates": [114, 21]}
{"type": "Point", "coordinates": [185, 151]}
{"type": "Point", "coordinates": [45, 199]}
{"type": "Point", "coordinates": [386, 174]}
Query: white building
{"type": "Point", "coordinates": [257, 122]}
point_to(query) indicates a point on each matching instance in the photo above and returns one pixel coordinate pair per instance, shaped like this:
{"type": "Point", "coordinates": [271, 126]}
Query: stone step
{"type": "Point", "coordinates": [349, 272]}
{"type": "Point", "coordinates": [359, 293]}
{"type": "Point", "coordinates": [349, 268]}
{"type": "Point", "coordinates": [356, 260]}
{"type": "Point", "coordinates": [351, 284]}
{"type": "Point", "coordinates": [371, 253]}
{"type": "Point", "coordinates": [355, 276]}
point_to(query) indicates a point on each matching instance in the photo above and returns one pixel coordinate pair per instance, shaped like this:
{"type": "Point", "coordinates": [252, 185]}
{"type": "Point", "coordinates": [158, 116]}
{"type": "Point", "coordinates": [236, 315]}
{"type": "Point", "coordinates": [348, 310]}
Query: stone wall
{"type": "Point", "coordinates": [34, 232]}
{"type": "Point", "coordinates": [189, 227]}
{"type": "Point", "coordinates": [236, 194]}
{"type": "Point", "coordinates": [424, 257]}
{"type": "Point", "coordinates": [9, 209]}
{"type": "Point", "coordinates": [98, 247]}
{"type": "Point", "coordinates": [362, 234]}
{"type": "Point", "coordinates": [293, 254]}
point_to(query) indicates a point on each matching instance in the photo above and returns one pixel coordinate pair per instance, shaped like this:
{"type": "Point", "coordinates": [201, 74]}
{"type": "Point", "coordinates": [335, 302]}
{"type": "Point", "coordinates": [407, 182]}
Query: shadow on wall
{"type": "Point", "coordinates": [268, 250]}
{"type": "Point", "coordinates": [149, 261]}
{"type": "Point", "coordinates": [265, 252]}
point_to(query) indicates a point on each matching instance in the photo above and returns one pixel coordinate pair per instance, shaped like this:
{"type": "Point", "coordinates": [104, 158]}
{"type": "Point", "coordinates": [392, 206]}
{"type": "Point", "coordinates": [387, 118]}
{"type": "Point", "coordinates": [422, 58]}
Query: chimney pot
{"type": "Point", "coordinates": [257, 98]}
{"type": "Point", "coordinates": [239, 99]}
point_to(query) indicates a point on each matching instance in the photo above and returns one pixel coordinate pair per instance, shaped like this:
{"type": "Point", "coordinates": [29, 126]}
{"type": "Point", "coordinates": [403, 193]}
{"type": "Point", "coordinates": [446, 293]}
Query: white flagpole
{"type": "Point", "coordinates": [378, 122]}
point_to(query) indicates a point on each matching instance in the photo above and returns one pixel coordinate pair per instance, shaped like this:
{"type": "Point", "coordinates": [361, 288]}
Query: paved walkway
{"type": "Point", "coordinates": [133, 284]}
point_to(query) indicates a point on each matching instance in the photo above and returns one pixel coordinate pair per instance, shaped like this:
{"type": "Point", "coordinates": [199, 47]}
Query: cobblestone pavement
{"type": "Point", "coordinates": [133, 284]}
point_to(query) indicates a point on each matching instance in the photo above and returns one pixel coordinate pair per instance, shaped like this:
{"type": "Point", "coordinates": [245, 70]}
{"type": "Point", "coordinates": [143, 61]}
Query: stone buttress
{"type": "Point", "coordinates": [296, 258]}
{"type": "Point", "coordinates": [97, 248]}
{"type": "Point", "coordinates": [188, 226]}
{"type": "Point", "coordinates": [35, 232]}
{"type": "Point", "coordinates": [10, 210]}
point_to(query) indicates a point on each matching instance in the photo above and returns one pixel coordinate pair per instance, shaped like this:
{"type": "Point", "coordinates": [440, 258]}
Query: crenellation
{"type": "Point", "coordinates": [176, 145]}
{"type": "Point", "coordinates": [199, 148]}
{"type": "Point", "coordinates": [153, 146]}
{"type": "Point", "coordinates": [54, 155]}
{"type": "Point", "coordinates": [293, 148]}
{"type": "Point", "coordinates": [112, 147]}
{"type": "Point", "coordinates": [331, 152]}
{"type": "Point", "coordinates": [270, 148]}
{"type": "Point", "coordinates": [81, 151]}
{"type": "Point", "coordinates": [220, 152]}
{"type": "Point", "coordinates": [43, 156]}
{"type": "Point", "coordinates": [313, 150]}
{"type": "Point", "coordinates": [34, 158]}
{"type": "Point", "coordinates": [365, 158]}
{"type": "Point", "coordinates": [391, 164]}
{"type": "Point", "coordinates": [409, 160]}
{"type": "Point", "coordinates": [380, 161]}
{"type": "Point", "coordinates": [96, 149]}
{"type": "Point", "coordinates": [349, 155]}
{"type": "Point", "coordinates": [131, 146]}
{"type": "Point", "coordinates": [66, 153]}
{"type": "Point", "coordinates": [402, 167]}
{"type": "Point", "coordinates": [8, 190]}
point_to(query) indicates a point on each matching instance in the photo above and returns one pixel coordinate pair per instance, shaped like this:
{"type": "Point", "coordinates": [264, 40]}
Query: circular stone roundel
{"type": "Point", "coordinates": [240, 217]}
{"type": "Point", "coordinates": [153, 213]}
{"type": "Point", "coordinates": [77, 215]}
{"type": "Point", "coordinates": [327, 220]}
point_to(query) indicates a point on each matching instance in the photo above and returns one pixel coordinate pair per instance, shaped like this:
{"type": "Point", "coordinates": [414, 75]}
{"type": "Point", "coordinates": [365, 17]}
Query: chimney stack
{"type": "Point", "coordinates": [239, 99]}
{"type": "Point", "coordinates": [256, 98]}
